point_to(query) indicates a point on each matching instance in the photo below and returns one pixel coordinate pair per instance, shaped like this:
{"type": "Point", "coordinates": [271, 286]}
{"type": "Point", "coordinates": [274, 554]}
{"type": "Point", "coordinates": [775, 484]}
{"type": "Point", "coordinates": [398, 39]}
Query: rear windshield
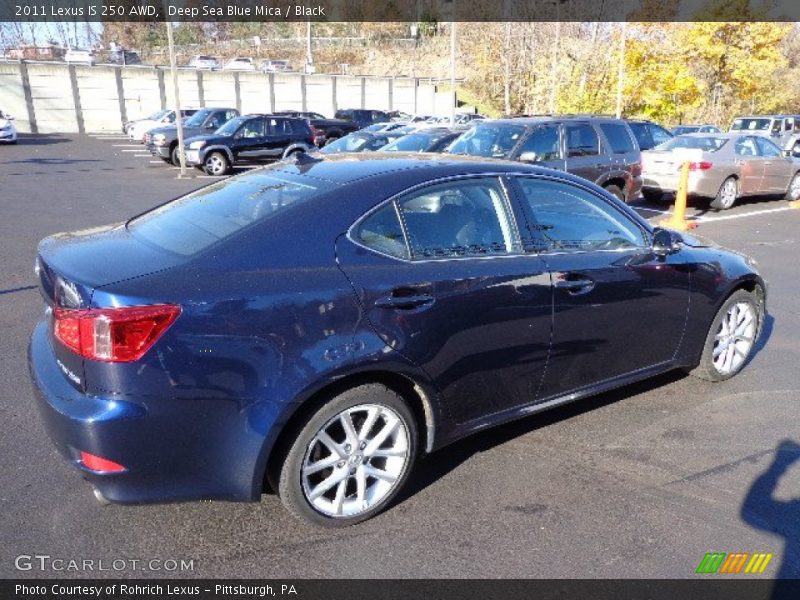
{"type": "Point", "coordinates": [415, 142]}
{"type": "Point", "coordinates": [191, 224]}
{"type": "Point", "coordinates": [706, 144]}
{"type": "Point", "coordinates": [751, 124]}
{"type": "Point", "coordinates": [349, 143]}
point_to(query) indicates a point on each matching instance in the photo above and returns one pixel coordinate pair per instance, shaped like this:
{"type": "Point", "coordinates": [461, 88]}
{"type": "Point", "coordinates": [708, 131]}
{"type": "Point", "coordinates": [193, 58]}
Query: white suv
{"type": "Point", "coordinates": [79, 57]}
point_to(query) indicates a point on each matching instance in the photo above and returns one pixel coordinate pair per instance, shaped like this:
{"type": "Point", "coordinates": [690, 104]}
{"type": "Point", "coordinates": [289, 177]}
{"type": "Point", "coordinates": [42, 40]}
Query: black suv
{"type": "Point", "coordinates": [363, 116]}
{"type": "Point", "coordinates": [249, 139]}
{"type": "Point", "coordinates": [603, 150]}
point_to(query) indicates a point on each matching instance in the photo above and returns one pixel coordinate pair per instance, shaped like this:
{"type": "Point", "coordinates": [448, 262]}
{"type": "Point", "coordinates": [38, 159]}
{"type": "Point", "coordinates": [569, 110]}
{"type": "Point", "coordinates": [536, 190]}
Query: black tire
{"type": "Point", "coordinates": [794, 183]}
{"type": "Point", "coordinates": [213, 159]}
{"type": "Point", "coordinates": [706, 368]}
{"type": "Point", "coordinates": [174, 158]}
{"type": "Point", "coordinates": [615, 191]}
{"type": "Point", "coordinates": [652, 195]}
{"type": "Point", "coordinates": [724, 200]}
{"type": "Point", "coordinates": [290, 483]}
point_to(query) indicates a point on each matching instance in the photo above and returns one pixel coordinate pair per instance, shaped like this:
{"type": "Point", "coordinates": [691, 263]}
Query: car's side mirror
{"type": "Point", "coordinates": [529, 157]}
{"type": "Point", "coordinates": [666, 242]}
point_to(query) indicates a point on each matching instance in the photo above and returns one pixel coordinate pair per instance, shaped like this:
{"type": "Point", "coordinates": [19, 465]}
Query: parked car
{"type": "Point", "coordinates": [304, 326]}
{"type": "Point", "coordinates": [137, 129]}
{"type": "Point", "coordinates": [249, 139]}
{"type": "Point", "coordinates": [124, 57]}
{"type": "Point", "coordinates": [360, 141]}
{"type": "Point", "coordinates": [648, 134]}
{"type": "Point", "coordinates": [729, 166]}
{"type": "Point", "coordinates": [363, 117]}
{"type": "Point", "coordinates": [784, 130]}
{"type": "Point", "coordinates": [163, 141]}
{"type": "Point", "coordinates": [276, 66]}
{"type": "Point", "coordinates": [390, 126]}
{"type": "Point", "coordinates": [600, 149]}
{"type": "Point", "coordinates": [427, 140]}
{"type": "Point", "coordinates": [79, 57]}
{"type": "Point", "coordinates": [203, 61]}
{"type": "Point", "coordinates": [324, 129]}
{"type": "Point", "coordinates": [683, 129]}
{"type": "Point", "coordinates": [240, 64]}
{"type": "Point", "coordinates": [8, 133]}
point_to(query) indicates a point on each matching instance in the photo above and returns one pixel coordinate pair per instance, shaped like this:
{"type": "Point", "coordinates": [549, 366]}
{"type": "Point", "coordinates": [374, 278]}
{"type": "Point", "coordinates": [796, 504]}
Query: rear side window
{"type": "Point", "coordinates": [467, 218]}
{"type": "Point", "coordinates": [618, 137]}
{"type": "Point", "coordinates": [582, 140]}
{"type": "Point", "coordinates": [642, 135]}
{"type": "Point", "coordinates": [381, 231]}
{"type": "Point", "coordinates": [570, 219]}
{"type": "Point", "coordinates": [195, 222]}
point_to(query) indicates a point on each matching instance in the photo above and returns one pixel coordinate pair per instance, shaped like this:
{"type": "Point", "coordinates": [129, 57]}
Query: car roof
{"type": "Point", "coordinates": [727, 135]}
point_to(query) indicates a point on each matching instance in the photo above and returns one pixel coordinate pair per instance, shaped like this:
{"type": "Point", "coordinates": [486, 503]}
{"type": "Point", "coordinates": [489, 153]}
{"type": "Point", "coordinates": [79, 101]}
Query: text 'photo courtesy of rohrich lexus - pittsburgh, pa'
{"type": "Point", "coordinates": [319, 325]}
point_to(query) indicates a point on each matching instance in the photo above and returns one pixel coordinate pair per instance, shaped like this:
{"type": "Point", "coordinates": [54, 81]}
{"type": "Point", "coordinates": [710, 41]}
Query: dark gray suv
{"type": "Point", "coordinates": [603, 150]}
{"type": "Point", "coordinates": [163, 141]}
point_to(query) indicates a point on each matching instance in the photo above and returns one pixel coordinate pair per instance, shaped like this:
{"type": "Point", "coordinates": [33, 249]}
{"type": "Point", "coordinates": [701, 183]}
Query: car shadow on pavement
{"type": "Point", "coordinates": [438, 464]}
{"type": "Point", "coordinates": [35, 139]}
{"type": "Point", "coordinates": [761, 510]}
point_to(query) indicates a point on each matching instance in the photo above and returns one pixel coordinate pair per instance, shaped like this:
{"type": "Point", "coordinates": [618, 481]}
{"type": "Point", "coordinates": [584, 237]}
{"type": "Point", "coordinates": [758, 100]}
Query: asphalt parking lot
{"type": "Point", "coordinates": [640, 482]}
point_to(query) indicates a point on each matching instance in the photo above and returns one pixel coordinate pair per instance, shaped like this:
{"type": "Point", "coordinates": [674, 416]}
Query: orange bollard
{"type": "Point", "coordinates": [678, 218]}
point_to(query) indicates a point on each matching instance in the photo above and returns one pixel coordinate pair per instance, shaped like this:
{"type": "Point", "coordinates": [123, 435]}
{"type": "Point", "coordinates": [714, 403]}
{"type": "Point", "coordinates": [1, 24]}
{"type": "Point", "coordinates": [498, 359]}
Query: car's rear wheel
{"type": "Point", "coordinates": [216, 163]}
{"type": "Point", "coordinates": [652, 195]}
{"type": "Point", "coordinates": [351, 458]}
{"type": "Point", "coordinates": [615, 191]}
{"type": "Point", "coordinates": [731, 337]}
{"type": "Point", "coordinates": [727, 194]}
{"type": "Point", "coordinates": [793, 193]}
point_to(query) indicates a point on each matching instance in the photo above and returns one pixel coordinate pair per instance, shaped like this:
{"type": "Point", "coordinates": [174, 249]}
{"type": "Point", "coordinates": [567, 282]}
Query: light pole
{"type": "Point", "coordinates": [621, 68]}
{"type": "Point", "coordinates": [453, 69]}
{"type": "Point", "coordinates": [173, 66]}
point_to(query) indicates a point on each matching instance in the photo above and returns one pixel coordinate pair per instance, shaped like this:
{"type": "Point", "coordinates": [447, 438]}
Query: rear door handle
{"type": "Point", "coordinates": [575, 287]}
{"type": "Point", "coordinates": [400, 302]}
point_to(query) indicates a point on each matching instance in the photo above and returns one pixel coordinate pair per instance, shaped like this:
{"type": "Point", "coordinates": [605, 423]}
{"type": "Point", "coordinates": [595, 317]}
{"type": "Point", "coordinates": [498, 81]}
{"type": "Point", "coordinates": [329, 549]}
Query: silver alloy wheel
{"type": "Point", "coordinates": [734, 338]}
{"type": "Point", "coordinates": [355, 460]}
{"type": "Point", "coordinates": [728, 192]}
{"type": "Point", "coordinates": [215, 164]}
{"type": "Point", "coordinates": [794, 187]}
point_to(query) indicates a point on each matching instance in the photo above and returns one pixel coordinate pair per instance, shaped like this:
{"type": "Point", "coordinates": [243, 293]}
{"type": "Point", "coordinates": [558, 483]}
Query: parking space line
{"type": "Point", "coordinates": [126, 145]}
{"type": "Point", "coordinates": [136, 150]}
{"type": "Point", "coordinates": [142, 155]}
{"type": "Point", "coordinates": [752, 213]}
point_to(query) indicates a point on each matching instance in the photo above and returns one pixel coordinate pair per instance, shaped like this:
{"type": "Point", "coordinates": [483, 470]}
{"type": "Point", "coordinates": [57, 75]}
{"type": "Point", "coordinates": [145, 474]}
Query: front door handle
{"type": "Point", "coordinates": [404, 302]}
{"type": "Point", "coordinates": [575, 286]}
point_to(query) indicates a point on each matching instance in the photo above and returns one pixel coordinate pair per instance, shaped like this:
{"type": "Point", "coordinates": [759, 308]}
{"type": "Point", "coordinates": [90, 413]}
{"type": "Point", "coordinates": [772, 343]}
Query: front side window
{"type": "Point", "coordinates": [466, 218]}
{"type": "Point", "coordinates": [659, 134]}
{"type": "Point", "coordinates": [566, 218]}
{"type": "Point", "coordinates": [254, 128]}
{"type": "Point", "coordinates": [490, 140]}
{"type": "Point", "coordinates": [581, 140]}
{"type": "Point", "coordinates": [544, 143]}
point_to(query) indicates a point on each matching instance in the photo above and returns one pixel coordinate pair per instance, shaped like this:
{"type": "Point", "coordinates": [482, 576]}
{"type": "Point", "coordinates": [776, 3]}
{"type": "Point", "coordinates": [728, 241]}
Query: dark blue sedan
{"type": "Point", "coordinates": [316, 325]}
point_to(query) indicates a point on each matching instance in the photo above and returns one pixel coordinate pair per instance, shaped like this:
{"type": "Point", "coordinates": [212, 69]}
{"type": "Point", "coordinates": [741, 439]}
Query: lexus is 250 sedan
{"type": "Point", "coordinates": [316, 325]}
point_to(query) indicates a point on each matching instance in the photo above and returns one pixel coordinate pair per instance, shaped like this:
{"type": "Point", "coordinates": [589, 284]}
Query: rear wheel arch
{"type": "Point", "coordinates": [416, 395]}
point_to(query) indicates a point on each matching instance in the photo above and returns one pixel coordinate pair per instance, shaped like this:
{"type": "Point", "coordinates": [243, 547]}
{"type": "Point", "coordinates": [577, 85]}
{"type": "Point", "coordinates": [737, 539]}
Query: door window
{"type": "Point", "coordinates": [659, 134]}
{"type": "Point", "coordinates": [544, 143]}
{"type": "Point", "coordinates": [618, 137]}
{"type": "Point", "coordinates": [278, 127]}
{"type": "Point", "coordinates": [464, 218]}
{"type": "Point", "coordinates": [642, 135]}
{"type": "Point", "coordinates": [569, 219]}
{"type": "Point", "coordinates": [381, 231]}
{"type": "Point", "coordinates": [767, 148]}
{"type": "Point", "coordinates": [746, 146]}
{"type": "Point", "coordinates": [582, 140]}
{"type": "Point", "coordinates": [254, 128]}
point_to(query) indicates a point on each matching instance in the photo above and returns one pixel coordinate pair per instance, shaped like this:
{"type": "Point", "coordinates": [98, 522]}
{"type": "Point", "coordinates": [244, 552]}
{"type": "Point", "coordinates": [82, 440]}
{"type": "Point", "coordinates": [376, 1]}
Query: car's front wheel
{"type": "Point", "coordinates": [351, 458]}
{"type": "Point", "coordinates": [732, 336]}
{"type": "Point", "coordinates": [216, 163]}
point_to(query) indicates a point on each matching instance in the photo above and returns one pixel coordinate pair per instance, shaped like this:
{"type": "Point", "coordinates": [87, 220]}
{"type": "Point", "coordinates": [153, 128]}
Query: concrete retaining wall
{"type": "Point", "coordinates": [60, 98]}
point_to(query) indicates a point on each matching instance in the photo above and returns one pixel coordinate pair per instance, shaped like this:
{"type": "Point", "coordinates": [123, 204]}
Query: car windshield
{"type": "Point", "coordinates": [349, 143]}
{"type": "Point", "coordinates": [489, 140]}
{"type": "Point", "coordinates": [415, 142]}
{"type": "Point", "coordinates": [706, 143]}
{"type": "Point", "coordinates": [195, 222]}
{"type": "Point", "coordinates": [230, 127]}
{"type": "Point", "coordinates": [197, 118]}
{"type": "Point", "coordinates": [751, 124]}
{"type": "Point", "coordinates": [685, 129]}
{"type": "Point", "coordinates": [157, 116]}
{"type": "Point", "coordinates": [205, 58]}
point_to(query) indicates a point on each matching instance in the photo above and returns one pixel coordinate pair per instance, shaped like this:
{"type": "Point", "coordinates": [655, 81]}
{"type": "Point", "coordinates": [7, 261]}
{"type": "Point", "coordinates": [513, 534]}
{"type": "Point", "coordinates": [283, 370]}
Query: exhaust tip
{"type": "Point", "coordinates": [101, 499]}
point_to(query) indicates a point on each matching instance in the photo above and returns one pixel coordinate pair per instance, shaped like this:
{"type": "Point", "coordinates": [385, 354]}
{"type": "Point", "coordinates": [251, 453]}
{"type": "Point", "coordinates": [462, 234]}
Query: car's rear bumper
{"type": "Point", "coordinates": [633, 189]}
{"type": "Point", "coordinates": [172, 449]}
{"type": "Point", "coordinates": [700, 184]}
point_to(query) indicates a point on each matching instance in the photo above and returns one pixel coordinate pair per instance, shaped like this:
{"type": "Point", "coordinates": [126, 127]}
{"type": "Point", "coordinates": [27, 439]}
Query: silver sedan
{"type": "Point", "coordinates": [723, 167]}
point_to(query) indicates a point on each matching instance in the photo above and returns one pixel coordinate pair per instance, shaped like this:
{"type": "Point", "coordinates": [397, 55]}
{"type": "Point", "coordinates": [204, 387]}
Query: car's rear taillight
{"type": "Point", "coordinates": [113, 334]}
{"type": "Point", "coordinates": [700, 166]}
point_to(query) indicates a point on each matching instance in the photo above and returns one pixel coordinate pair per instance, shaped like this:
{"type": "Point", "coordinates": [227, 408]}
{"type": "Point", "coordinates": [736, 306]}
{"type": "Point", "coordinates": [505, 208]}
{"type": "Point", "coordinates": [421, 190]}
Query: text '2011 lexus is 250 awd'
{"type": "Point", "coordinates": [317, 324]}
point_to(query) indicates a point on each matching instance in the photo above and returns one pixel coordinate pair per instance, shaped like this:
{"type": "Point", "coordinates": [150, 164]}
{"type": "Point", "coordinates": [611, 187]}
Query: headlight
{"type": "Point", "coordinates": [197, 145]}
{"type": "Point", "coordinates": [159, 139]}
